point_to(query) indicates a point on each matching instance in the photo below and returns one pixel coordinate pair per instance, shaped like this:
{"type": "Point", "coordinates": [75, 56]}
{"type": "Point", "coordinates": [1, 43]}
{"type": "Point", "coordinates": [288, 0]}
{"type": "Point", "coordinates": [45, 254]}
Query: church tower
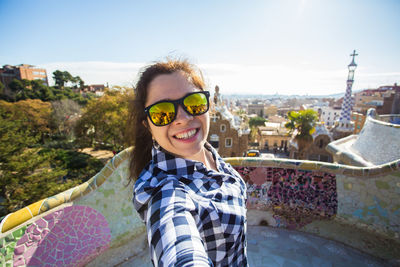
{"type": "Point", "coordinates": [344, 126]}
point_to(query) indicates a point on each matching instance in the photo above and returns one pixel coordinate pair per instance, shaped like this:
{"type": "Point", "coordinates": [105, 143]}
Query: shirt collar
{"type": "Point", "coordinates": [172, 164]}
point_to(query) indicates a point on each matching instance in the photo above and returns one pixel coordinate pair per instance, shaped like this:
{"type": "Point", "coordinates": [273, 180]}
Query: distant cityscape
{"type": "Point", "coordinates": [339, 115]}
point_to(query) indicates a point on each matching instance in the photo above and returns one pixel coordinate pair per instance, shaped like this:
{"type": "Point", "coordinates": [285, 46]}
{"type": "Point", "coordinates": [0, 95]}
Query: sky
{"type": "Point", "coordinates": [286, 47]}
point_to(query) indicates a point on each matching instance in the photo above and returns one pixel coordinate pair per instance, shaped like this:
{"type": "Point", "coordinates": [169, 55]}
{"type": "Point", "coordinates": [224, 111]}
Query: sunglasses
{"type": "Point", "coordinates": [164, 112]}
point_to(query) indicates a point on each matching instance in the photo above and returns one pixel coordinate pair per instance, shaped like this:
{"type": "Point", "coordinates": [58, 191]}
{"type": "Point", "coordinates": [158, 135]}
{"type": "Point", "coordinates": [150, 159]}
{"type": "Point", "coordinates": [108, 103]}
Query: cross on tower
{"type": "Point", "coordinates": [354, 54]}
{"type": "Point", "coordinates": [215, 117]}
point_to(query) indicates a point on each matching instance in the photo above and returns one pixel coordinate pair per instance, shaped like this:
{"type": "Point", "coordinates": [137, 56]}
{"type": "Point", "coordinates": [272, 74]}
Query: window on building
{"type": "Point", "coordinates": [223, 128]}
{"type": "Point", "coordinates": [321, 143]}
{"type": "Point", "coordinates": [228, 142]}
{"type": "Point", "coordinates": [214, 140]}
{"type": "Point", "coordinates": [324, 158]}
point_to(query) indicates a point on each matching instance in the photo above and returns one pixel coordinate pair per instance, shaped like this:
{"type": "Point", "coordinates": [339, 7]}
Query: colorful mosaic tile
{"type": "Point", "coordinates": [68, 237]}
{"type": "Point", "coordinates": [7, 246]}
{"type": "Point", "coordinates": [296, 197]}
{"type": "Point", "coordinates": [297, 192]}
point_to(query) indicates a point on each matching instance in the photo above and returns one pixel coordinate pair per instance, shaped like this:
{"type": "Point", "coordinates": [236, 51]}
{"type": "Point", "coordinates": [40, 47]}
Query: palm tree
{"type": "Point", "coordinates": [302, 124]}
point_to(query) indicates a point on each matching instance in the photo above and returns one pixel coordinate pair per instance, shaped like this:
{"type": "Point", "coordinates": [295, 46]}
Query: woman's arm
{"type": "Point", "coordinates": [172, 233]}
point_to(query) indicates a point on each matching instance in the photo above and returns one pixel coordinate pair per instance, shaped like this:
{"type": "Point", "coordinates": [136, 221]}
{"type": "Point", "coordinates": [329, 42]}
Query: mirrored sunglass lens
{"type": "Point", "coordinates": [162, 113]}
{"type": "Point", "coordinates": [196, 104]}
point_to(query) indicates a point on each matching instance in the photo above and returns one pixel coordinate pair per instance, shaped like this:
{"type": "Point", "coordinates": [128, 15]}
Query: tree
{"type": "Point", "coordinates": [63, 77]}
{"type": "Point", "coordinates": [26, 174]}
{"type": "Point", "coordinates": [2, 88]}
{"type": "Point", "coordinates": [29, 171]}
{"type": "Point", "coordinates": [302, 124]}
{"type": "Point", "coordinates": [104, 120]}
{"type": "Point", "coordinates": [257, 121]}
{"type": "Point", "coordinates": [64, 115]}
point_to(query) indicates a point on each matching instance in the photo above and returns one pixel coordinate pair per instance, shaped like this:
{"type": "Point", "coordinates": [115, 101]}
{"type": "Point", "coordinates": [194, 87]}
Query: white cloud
{"type": "Point", "coordinates": [97, 72]}
{"type": "Point", "coordinates": [236, 78]}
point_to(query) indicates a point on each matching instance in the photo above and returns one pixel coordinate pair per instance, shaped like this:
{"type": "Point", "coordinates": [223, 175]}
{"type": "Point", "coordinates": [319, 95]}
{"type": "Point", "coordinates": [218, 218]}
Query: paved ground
{"type": "Point", "coordinates": [275, 247]}
{"type": "Point", "coordinates": [103, 155]}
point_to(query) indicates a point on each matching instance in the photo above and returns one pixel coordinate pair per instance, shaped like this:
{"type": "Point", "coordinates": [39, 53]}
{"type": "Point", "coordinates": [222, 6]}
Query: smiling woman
{"type": "Point", "coordinates": [193, 203]}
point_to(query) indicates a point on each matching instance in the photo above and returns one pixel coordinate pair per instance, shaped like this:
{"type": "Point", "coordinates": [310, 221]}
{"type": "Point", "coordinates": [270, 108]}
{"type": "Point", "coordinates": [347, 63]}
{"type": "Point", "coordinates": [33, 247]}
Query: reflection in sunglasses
{"type": "Point", "coordinates": [164, 112]}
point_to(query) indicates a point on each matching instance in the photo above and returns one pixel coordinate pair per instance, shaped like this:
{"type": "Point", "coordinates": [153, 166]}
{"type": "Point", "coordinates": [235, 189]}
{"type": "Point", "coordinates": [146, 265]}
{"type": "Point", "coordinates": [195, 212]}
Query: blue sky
{"type": "Point", "coordinates": [266, 47]}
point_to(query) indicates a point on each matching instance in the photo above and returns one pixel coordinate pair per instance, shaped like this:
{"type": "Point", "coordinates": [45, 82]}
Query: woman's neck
{"type": "Point", "coordinates": [207, 158]}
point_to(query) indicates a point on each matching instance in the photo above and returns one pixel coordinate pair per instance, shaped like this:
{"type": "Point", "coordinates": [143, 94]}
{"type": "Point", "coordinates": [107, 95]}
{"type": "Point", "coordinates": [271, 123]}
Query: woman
{"type": "Point", "coordinates": [192, 202]}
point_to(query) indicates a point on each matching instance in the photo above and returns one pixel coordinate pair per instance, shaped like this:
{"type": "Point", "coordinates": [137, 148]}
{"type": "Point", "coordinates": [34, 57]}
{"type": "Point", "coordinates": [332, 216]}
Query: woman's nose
{"type": "Point", "coordinates": [182, 115]}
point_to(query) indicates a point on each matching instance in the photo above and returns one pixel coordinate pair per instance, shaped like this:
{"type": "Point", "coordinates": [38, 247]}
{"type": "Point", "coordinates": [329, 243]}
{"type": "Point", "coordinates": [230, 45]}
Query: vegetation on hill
{"type": "Point", "coordinates": [42, 130]}
{"type": "Point", "coordinates": [35, 89]}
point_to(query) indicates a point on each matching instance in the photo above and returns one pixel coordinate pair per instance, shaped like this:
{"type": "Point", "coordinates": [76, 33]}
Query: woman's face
{"type": "Point", "coordinates": [186, 135]}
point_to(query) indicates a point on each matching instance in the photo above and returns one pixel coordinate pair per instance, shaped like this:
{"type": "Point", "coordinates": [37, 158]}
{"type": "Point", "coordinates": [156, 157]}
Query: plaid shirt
{"type": "Point", "coordinates": [194, 216]}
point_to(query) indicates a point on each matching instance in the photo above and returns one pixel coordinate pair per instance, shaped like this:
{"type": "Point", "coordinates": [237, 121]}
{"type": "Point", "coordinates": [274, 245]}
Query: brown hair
{"type": "Point", "coordinates": [138, 135]}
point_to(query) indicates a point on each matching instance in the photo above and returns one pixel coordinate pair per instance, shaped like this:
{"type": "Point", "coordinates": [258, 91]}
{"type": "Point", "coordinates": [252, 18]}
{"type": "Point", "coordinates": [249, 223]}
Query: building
{"type": "Point", "coordinates": [283, 111]}
{"type": "Point", "coordinates": [359, 120]}
{"type": "Point", "coordinates": [316, 150]}
{"type": "Point", "coordinates": [271, 110]}
{"type": "Point", "coordinates": [273, 137]}
{"type": "Point", "coordinates": [376, 144]}
{"type": "Point", "coordinates": [328, 115]}
{"type": "Point", "coordinates": [391, 101]}
{"type": "Point", "coordinates": [20, 72]}
{"type": "Point", "coordinates": [227, 133]}
{"type": "Point", "coordinates": [344, 126]}
{"type": "Point", "coordinates": [97, 89]}
{"type": "Point", "coordinates": [257, 109]}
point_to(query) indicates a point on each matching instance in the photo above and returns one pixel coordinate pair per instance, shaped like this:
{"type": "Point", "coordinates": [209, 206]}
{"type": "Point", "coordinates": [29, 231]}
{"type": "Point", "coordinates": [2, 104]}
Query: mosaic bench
{"type": "Point", "coordinates": [95, 224]}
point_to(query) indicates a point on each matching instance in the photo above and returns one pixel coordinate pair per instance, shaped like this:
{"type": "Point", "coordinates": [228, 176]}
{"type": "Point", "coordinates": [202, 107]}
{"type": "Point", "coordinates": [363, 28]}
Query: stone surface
{"type": "Point", "coordinates": [275, 247]}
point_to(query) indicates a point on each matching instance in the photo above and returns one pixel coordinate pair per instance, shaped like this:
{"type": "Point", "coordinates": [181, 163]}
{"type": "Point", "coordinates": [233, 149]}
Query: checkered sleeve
{"type": "Point", "coordinates": [173, 236]}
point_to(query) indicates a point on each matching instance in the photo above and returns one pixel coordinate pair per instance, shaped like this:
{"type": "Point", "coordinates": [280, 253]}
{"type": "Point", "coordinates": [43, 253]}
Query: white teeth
{"type": "Point", "coordinates": [186, 135]}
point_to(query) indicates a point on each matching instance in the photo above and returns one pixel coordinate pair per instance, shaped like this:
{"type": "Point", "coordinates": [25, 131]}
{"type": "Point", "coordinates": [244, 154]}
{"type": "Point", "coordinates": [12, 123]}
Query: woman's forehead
{"type": "Point", "coordinates": [169, 86]}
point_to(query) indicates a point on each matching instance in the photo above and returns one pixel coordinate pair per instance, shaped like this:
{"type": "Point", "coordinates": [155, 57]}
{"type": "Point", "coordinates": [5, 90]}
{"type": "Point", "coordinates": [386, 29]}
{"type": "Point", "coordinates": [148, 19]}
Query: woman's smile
{"type": "Point", "coordinates": [186, 135]}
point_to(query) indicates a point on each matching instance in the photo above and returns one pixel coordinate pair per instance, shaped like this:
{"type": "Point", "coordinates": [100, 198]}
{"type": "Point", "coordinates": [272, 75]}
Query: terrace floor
{"type": "Point", "coordinates": [275, 247]}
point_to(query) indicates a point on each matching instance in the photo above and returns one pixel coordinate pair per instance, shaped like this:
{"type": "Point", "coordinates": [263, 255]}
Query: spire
{"type": "Point", "coordinates": [345, 120]}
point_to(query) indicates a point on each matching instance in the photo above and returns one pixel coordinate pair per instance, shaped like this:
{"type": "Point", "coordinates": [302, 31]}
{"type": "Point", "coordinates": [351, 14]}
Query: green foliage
{"type": "Point", "coordinates": [303, 121]}
{"type": "Point", "coordinates": [104, 120]}
{"type": "Point", "coordinates": [25, 89]}
{"type": "Point", "coordinates": [28, 177]}
{"type": "Point", "coordinates": [303, 124]}
{"type": "Point", "coordinates": [257, 121]}
{"type": "Point", "coordinates": [63, 77]}
{"type": "Point", "coordinates": [29, 171]}
{"type": "Point", "coordinates": [65, 113]}
{"type": "Point", "coordinates": [2, 88]}
{"type": "Point", "coordinates": [79, 165]}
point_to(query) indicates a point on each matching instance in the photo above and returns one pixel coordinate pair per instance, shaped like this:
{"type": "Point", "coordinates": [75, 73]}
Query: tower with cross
{"type": "Point", "coordinates": [344, 126]}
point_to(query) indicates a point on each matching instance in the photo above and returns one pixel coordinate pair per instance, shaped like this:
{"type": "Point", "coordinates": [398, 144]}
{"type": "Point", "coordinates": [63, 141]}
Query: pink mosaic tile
{"type": "Point", "coordinates": [68, 237]}
{"type": "Point", "coordinates": [296, 197]}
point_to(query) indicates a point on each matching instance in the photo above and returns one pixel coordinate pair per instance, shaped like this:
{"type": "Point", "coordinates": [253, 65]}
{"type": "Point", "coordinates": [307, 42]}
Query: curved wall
{"type": "Point", "coordinates": [95, 223]}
